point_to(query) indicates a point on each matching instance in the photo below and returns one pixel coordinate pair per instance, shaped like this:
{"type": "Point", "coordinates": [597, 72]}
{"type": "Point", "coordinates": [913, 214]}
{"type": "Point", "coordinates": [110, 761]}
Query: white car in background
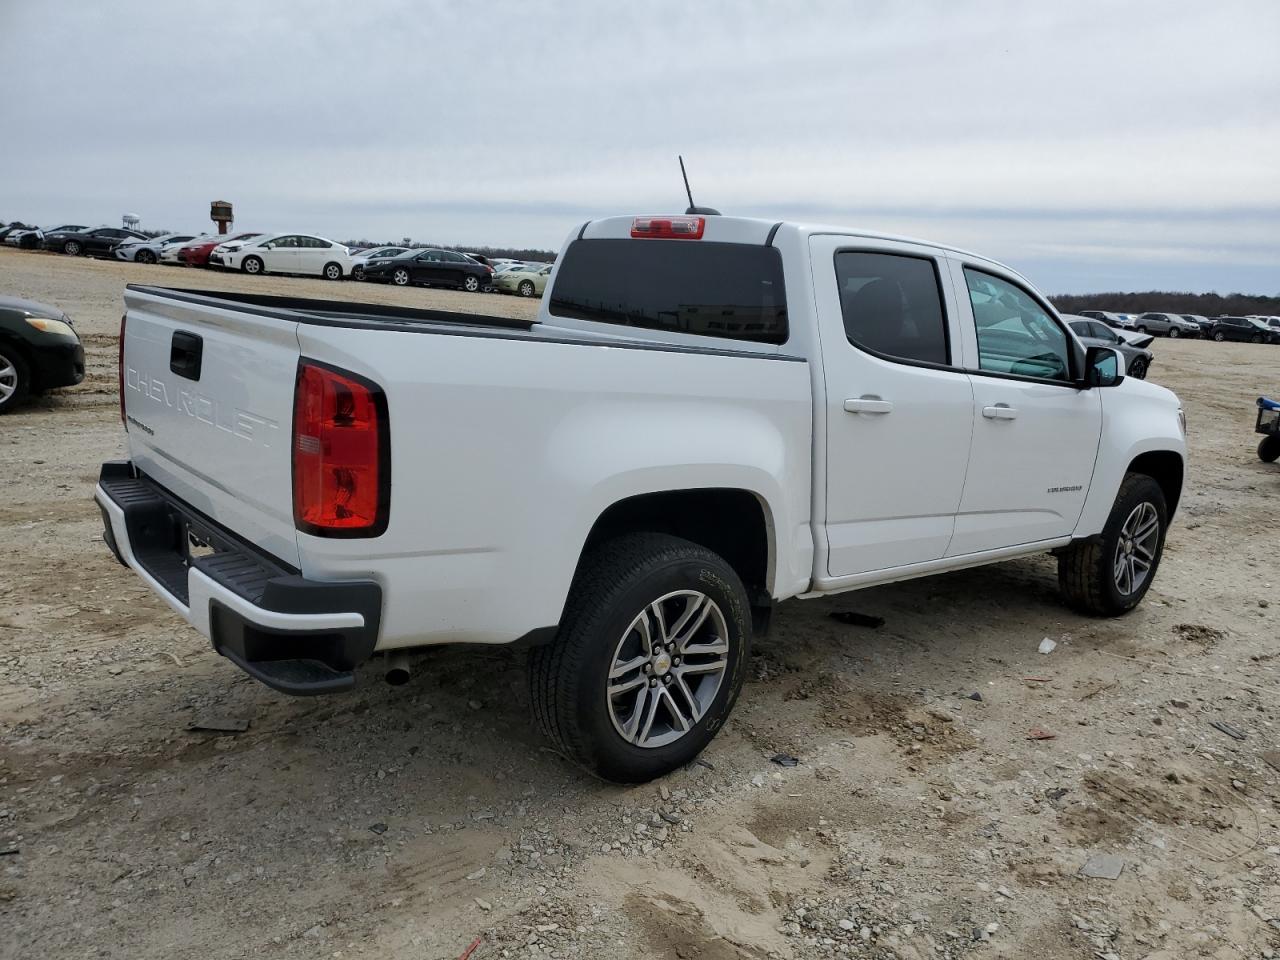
{"type": "Point", "coordinates": [148, 251]}
{"type": "Point", "coordinates": [300, 253]}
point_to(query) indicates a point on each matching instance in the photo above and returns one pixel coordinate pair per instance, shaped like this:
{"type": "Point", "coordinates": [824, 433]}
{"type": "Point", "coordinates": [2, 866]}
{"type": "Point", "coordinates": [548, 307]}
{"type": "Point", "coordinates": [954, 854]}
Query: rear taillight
{"type": "Point", "coordinates": [120, 370]}
{"type": "Point", "coordinates": [668, 228]}
{"type": "Point", "coordinates": [341, 454]}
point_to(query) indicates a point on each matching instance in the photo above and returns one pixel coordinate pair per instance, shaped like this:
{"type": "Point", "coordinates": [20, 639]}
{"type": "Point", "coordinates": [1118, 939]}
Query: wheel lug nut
{"type": "Point", "coordinates": [667, 679]}
{"type": "Point", "coordinates": [675, 662]}
{"type": "Point", "coordinates": [653, 682]}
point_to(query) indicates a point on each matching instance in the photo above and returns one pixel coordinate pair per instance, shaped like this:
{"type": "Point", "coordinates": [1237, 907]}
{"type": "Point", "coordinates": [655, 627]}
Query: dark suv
{"type": "Point", "coordinates": [1242, 329]}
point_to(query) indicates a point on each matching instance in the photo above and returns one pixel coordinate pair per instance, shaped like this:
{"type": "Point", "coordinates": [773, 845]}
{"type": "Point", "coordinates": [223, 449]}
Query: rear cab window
{"type": "Point", "coordinates": [730, 290]}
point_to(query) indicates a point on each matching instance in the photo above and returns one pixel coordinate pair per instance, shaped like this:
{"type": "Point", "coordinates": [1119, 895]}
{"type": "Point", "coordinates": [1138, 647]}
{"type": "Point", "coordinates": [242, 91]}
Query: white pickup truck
{"type": "Point", "coordinates": [709, 415]}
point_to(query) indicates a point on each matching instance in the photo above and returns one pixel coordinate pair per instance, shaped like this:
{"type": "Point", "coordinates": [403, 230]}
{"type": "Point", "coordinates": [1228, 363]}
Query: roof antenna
{"type": "Point", "coordinates": [694, 208]}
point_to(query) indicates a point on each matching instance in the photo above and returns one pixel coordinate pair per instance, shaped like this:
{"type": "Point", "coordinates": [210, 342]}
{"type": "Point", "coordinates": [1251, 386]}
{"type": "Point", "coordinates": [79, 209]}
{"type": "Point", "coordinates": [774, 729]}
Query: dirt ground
{"type": "Point", "coordinates": [921, 821]}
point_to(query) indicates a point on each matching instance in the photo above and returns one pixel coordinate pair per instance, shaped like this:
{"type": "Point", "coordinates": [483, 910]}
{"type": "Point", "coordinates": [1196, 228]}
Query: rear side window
{"type": "Point", "coordinates": [731, 290]}
{"type": "Point", "coordinates": [892, 305]}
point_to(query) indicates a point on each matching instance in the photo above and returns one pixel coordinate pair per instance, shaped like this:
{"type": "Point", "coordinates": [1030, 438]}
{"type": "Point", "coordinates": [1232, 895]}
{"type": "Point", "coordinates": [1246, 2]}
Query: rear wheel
{"type": "Point", "coordinates": [1174, 333]}
{"type": "Point", "coordinates": [145, 256]}
{"type": "Point", "coordinates": [1109, 574]}
{"type": "Point", "coordinates": [649, 658]}
{"type": "Point", "coordinates": [400, 277]}
{"type": "Point", "coordinates": [15, 379]}
{"type": "Point", "coordinates": [1141, 328]}
{"type": "Point", "coordinates": [333, 271]}
{"type": "Point", "coordinates": [526, 288]}
{"type": "Point", "coordinates": [252, 265]}
{"type": "Point", "coordinates": [1256, 338]}
{"type": "Point", "coordinates": [72, 248]}
{"type": "Point", "coordinates": [1269, 449]}
{"type": "Point", "coordinates": [1219, 336]}
{"type": "Point", "coordinates": [357, 272]}
{"type": "Point", "coordinates": [471, 284]}
{"type": "Point", "coordinates": [1138, 369]}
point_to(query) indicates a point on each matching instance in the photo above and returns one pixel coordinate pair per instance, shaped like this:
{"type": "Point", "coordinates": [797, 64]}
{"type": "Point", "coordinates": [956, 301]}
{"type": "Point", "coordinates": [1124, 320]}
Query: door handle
{"type": "Point", "coordinates": [868, 404]}
{"type": "Point", "coordinates": [1000, 411]}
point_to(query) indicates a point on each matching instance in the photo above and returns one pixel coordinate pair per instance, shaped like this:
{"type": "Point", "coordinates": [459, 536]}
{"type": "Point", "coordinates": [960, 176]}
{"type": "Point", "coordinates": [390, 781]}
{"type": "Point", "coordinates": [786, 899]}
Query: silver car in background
{"type": "Point", "coordinates": [1170, 324]}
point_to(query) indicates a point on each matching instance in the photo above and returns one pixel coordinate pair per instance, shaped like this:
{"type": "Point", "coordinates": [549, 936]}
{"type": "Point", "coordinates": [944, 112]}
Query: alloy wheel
{"type": "Point", "coordinates": [667, 668]}
{"type": "Point", "coordinates": [8, 380]}
{"type": "Point", "coordinates": [401, 277]}
{"type": "Point", "coordinates": [1136, 549]}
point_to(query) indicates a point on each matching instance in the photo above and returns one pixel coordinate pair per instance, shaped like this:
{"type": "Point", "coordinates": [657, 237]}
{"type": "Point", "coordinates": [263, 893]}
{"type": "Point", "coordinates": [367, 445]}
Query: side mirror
{"type": "Point", "coordinates": [1103, 367]}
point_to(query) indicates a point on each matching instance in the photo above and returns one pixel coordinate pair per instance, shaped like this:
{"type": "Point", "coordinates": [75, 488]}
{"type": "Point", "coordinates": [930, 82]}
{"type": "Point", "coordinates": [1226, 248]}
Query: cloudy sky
{"type": "Point", "coordinates": [1093, 145]}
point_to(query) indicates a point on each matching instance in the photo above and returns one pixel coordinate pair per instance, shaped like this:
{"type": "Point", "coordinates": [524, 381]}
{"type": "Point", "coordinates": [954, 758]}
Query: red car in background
{"type": "Point", "coordinates": [196, 253]}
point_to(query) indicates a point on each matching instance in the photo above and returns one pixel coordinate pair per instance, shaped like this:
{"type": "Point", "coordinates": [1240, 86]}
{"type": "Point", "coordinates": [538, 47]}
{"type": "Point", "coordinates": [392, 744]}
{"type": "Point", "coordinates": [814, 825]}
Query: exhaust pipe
{"type": "Point", "coordinates": [397, 669]}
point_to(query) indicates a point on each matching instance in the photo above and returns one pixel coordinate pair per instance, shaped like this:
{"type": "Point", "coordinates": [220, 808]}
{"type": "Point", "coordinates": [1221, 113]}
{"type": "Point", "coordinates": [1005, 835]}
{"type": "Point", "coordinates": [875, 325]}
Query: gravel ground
{"type": "Point", "coordinates": [920, 820]}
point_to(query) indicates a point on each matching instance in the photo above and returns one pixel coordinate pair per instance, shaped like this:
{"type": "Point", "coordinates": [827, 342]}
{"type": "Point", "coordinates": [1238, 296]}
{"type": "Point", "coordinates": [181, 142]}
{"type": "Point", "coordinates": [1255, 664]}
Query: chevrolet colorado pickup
{"type": "Point", "coordinates": [709, 415]}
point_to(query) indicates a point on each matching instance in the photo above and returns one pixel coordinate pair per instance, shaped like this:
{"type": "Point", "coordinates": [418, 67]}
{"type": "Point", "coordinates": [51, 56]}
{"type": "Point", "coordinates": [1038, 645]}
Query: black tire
{"type": "Point", "coordinates": [1174, 333]}
{"type": "Point", "coordinates": [357, 272]}
{"type": "Point", "coordinates": [568, 679]}
{"type": "Point", "coordinates": [1256, 338]}
{"type": "Point", "coordinates": [253, 266]}
{"type": "Point", "coordinates": [29, 242]}
{"type": "Point", "coordinates": [332, 271]}
{"type": "Point", "coordinates": [400, 277]}
{"type": "Point", "coordinates": [471, 283]}
{"type": "Point", "coordinates": [526, 288]}
{"type": "Point", "coordinates": [1138, 369]}
{"type": "Point", "coordinates": [16, 382]}
{"type": "Point", "coordinates": [145, 256]}
{"type": "Point", "coordinates": [1086, 569]}
{"type": "Point", "coordinates": [1219, 336]}
{"type": "Point", "coordinates": [1269, 449]}
{"type": "Point", "coordinates": [72, 248]}
{"type": "Point", "coordinates": [1141, 328]}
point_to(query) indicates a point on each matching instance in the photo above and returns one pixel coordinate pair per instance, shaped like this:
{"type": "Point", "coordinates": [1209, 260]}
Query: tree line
{"type": "Point", "coordinates": [1201, 304]}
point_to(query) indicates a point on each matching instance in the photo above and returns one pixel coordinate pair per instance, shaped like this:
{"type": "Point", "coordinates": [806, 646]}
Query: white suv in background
{"type": "Point", "coordinates": [301, 253]}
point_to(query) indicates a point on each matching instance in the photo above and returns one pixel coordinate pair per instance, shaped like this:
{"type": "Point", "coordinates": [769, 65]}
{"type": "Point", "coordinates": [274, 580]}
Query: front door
{"type": "Point", "coordinates": [898, 403]}
{"type": "Point", "coordinates": [1035, 432]}
{"type": "Point", "coordinates": [281, 255]}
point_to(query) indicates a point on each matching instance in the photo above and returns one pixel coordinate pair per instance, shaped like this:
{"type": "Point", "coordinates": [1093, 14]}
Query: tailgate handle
{"type": "Point", "coordinates": [185, 354]}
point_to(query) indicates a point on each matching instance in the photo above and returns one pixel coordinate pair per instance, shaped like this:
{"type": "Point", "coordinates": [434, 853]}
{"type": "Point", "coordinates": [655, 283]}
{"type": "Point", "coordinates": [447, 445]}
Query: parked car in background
{"type": "Point", "coordinates": [299, 253]}
{"type": "Point", "coordinates": [527, 280]}
{"type": "Point", "coordinates": [30, 239]}
{"type": "Point", "coordinates": [1240, 329]}
{"type": "Point", "coordinates": [431, 267]}
{"type": "Point", "coordinates": [98, 242]}
{"type": "Point", "coordinates": [1119, 321]}
{"type": "Point", "coordinates": [1095, 333]}
{"type": "Point", "coordinates": [13, 228]}
{"type": "Point", "coordinates": [1204, 323]}
{"type": "Point", "coordinates": [1170, 324]}
{"type": "Point", "coordinates": [1269, 333]}
{"type": "Point", "coordinates": [148, 251]}
{"type": "Point", "coordinates": [361, 259]}
{"type": "Point", "coordinates": [39, 350]}
{"type": "Point", "coordinates": [196, 252]}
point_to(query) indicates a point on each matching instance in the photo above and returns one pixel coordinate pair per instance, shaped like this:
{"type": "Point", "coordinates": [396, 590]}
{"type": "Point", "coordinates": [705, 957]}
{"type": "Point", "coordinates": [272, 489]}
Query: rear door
{"type": "Point", "coordinates": [1035, 433]}
{"type": "Point", "coordinates": [208, 395]}
{"type": "Point", "coordinates": [899, 404]}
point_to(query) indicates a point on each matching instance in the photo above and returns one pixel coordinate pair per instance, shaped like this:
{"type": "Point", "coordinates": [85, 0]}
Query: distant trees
{"type": "Point", "coordinates": [510, 253]}
{"type": "Point", "coordinates": [1204, 304]}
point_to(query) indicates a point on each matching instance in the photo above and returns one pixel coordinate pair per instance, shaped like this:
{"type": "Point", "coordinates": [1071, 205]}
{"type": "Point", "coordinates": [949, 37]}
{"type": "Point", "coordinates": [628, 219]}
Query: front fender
{"type": "Point", "coordinates": [1137, 417]}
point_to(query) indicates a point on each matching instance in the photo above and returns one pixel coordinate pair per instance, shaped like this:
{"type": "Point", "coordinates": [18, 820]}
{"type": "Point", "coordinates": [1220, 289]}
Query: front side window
{"type": "Point", "coordinates": [892, 305]}
{"type": "Point", "coordinates": [1015, 334]}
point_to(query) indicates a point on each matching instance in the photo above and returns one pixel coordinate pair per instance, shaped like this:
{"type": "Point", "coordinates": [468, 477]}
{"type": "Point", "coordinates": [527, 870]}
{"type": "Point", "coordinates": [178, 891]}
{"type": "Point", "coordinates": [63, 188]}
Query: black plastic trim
{"type": "Point", "coordinates": [584, 229]}
{"type": "Point", "coordinates": [299, 662]}
{"type": "Point", "coordinates": [383, 517]}
{"type": "Point", "coordinates": [773, 231]}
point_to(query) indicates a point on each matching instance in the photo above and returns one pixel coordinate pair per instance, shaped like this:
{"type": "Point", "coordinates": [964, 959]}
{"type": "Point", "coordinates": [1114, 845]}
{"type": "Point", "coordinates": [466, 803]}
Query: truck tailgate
{"type": "Point", "coordinates": [208, 395]}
